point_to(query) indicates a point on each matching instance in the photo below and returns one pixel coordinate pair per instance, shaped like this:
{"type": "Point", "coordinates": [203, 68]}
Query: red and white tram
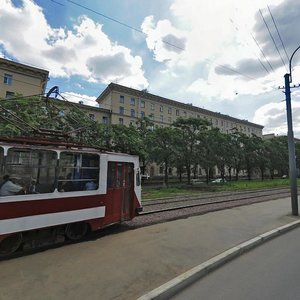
{"type": "Point", "coordinates": [66, 191]}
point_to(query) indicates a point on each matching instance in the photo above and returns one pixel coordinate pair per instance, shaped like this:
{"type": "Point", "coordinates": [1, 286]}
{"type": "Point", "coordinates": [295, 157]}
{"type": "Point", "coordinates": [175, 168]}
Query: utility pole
{"type": "Point", "coordinates": [291, 145]}
{"type": "Point", "coordinates": [291, 141]}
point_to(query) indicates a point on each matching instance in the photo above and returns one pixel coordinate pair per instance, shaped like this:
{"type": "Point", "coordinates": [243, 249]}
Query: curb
{"type": "Point", "coordinates": [180, 282]}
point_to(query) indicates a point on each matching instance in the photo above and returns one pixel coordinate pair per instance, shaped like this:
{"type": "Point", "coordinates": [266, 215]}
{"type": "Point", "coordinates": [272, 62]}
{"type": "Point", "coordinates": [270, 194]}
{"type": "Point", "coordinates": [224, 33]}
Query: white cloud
{"type": "Point", "coordinates": [75, 97]}
{"type": "Point", "coordinates": [215, 34]}
{"type": "Point", "coordinates": [273, 117]}
{"type": "Point", "coordinates": [66, 52]}
{"type": "Point", "coordinates": [163, 39]}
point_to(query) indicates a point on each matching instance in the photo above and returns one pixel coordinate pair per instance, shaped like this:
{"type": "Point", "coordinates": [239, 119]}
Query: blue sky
{"type": "Point", "coordinates": [218, 54]}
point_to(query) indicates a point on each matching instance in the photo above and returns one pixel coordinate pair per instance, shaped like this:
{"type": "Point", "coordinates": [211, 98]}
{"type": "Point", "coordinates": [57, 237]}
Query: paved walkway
{"type": "Point", "coordinates": [129, 264]}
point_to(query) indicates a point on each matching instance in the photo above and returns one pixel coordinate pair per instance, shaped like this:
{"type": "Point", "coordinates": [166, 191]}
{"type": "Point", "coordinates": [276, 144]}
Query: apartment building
{"type": "Point", "coordinates": [127, 105]}
{"type": "Point", "coordinates": [97, 114]}
{"type": "Point", "coordinates": [16, 78]}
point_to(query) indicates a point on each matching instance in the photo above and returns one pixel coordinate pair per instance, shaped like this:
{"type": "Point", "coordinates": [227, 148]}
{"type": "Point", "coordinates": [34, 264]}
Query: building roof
{"type": "Point", "coordinates": [80, 105]}
{"type": "Point", "coordinates": [143, 94]}
{"type": "Point", "coordinates": [21, 67]}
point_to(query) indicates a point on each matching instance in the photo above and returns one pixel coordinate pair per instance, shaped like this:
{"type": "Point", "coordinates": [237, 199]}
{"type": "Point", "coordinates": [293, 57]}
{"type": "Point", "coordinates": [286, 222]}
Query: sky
{"type": "Point", "coordinates": [227, 56]}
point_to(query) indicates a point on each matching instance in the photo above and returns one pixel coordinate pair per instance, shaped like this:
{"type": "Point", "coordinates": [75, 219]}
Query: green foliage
{"type": "Point", "coordinates": [162, 147]}
{"type": "Point", "coordinates": [190, 135]}
{"type": "Point", "coordinates": [190, 142]}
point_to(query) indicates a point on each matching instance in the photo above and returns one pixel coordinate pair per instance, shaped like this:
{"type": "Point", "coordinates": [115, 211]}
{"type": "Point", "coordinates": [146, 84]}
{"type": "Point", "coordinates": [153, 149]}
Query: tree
{"type": "Point", "coordinates": [207, 153]}
{"type": "Point", "coordinates": [263, 159]}
{"type": "Point", "coordinates": [126, 139]}
{"type": "Point", "coordinates": [236, 152]}
{"type": "Point", "coordinates": [223, 153]}
{"type": "Point", "coordinates": [250, 146]}
{"type": "Point", "coordinates": [162, 150]}
{"type": "Point", "coordinates": [189, 133]}
{"type": "Point", "coordinates": [144, 128]}
{"type": "Point", "coordinates": [29, 116]}
{"type": "Point", "coordinates": [277, 149]}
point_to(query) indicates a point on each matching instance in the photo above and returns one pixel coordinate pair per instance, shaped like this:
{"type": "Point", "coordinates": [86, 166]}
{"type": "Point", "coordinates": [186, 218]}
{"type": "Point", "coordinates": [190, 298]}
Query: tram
{"type": "Point", "coordinates": [61, 191]}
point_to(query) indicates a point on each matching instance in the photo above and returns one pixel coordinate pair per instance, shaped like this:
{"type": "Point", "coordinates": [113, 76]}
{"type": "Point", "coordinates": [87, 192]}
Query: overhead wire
{"type": "Point", "coordinates": [237, 29]}
{"type": "Point", "coordinates": [140, 31]}
{"type": "Point", "coordinates": [283, 46]}
{"type": "Point", "coordinates": [262, 52]}
{"type": "Point", "coordinates": [272, 39]}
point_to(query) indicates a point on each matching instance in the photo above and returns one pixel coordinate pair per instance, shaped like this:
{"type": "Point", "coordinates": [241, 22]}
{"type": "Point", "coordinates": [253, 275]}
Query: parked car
{"type": "Point", "coordinates": [219, 180]}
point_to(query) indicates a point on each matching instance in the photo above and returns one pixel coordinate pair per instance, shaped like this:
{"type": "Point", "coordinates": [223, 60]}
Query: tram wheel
{"type": "Point", "coordinates": [10, 244]}
{"type": "Point", "coordinates": [76, 231]}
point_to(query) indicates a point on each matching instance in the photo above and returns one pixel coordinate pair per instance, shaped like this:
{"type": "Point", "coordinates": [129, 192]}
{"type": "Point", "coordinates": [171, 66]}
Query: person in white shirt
{"type": "Point", "coordinates": [90, 185]}
{"type": "Point", "coordinates": [8, 188]}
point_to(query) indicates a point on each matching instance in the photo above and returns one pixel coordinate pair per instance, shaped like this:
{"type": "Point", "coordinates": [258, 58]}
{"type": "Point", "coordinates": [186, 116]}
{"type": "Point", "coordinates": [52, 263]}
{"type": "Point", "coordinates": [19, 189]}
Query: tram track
{"type": "Point", "coordinates": [283, 193]}
{"type": "Point", "coordinates": [160, 205]}
{"type": "Point", "coordinates": [184, 209]}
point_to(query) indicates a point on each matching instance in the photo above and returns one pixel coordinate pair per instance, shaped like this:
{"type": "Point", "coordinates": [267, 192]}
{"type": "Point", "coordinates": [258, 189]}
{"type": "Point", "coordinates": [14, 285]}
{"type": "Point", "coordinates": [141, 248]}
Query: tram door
{"type": "Point", "coordinates": [121, 189]}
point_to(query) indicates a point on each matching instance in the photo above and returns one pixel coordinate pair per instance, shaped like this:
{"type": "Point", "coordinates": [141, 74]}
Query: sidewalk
{"type": "Point", "coordinates": [129, 264]}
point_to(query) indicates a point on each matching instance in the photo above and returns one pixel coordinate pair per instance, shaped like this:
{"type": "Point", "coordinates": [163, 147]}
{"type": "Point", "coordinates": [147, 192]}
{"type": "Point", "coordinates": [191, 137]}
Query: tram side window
{"type": "Point", "coordinates": [33, 170]}
{"type": "Point", "coordinates": [138, 178]}
{"type": "Point", "coordinates": [110, 174]}
{"type": "Point", "coordinates": [78, 172]}
{"type": "Point", "coordinates": [119, 175]}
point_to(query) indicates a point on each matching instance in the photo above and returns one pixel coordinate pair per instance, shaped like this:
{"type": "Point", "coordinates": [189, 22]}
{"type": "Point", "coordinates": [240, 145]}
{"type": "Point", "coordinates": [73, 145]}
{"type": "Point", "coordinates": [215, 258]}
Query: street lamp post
{"type": "Point", "coordinates": [291, 141]}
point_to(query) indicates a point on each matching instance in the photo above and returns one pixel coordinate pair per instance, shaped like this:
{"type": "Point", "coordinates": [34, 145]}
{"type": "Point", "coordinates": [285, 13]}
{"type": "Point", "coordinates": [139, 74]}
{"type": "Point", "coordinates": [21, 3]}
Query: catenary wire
{"type": "Point", "coordinates": [283, 46]}
{"type": "Point", "coordinates": [140, 31]}
{"type": "Point", "coordinates": [272, 38]}
{"type": "Point", "coordinates": [237, 29]}
{"type": "Point", "coordinates": [265, 57]}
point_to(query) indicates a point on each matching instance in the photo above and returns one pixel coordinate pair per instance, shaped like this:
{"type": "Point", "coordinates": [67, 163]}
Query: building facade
{"type": "Point", "coordinates": [97, 114]}
{"type": "Point", "coordinates": [127, 105]}
{"type": "Point", "coordinates": [16, 78]}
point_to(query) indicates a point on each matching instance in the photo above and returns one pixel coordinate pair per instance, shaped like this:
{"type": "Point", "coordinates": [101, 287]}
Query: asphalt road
{"type": "Point", "coordinates": [271, 271]}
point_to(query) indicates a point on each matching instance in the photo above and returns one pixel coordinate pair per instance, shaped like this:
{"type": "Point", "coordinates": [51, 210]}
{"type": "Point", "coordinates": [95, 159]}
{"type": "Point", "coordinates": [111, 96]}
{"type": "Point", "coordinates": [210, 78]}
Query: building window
{"type": "Point", "coordinates": [152, 106]}
{"type": "Point", "coordinates": [198, 116]}
{"type": "Point", "coordinates": [92, 116]}
{"type": "Point", "coordinates": [121, 110]}
{"type": "Point", "coordinates": [161, 118]}
{"type": "Point", "coordinates": [142, 114]}
{"type": "Point", "coordinates": [169, 119]}
{"type": "Point", "coordinates": [105, 120]}
{"type": "Point", "coordinates": [169, 110]}
{"type": "Point", "coordinates": [121, 99]}
{"type": "Point", "coordinates": [151, 117]}
{"type": "Point", "coordinates": [132, 112]}
{"type": "Point", "coordinates": [222, 123]}
{"type": "Point", "coordinates": [132, 122]}
{"type": "Point", "coordinates": [184, 113]}
{"type": "Point", "coordinates": [132, 101]}
{"type": "Point", "coordinates": [7, 79]}
{"type": "Point", "coordinates": [121, 121]}
{"type": "Point", "coordinates": [177, 112]}
{"type": "Point", "coordinates": [9, 95]}
{"type": "Point", "coordinates": [142, 104]}
{"type": "Point", "coordinates": [161, 108]}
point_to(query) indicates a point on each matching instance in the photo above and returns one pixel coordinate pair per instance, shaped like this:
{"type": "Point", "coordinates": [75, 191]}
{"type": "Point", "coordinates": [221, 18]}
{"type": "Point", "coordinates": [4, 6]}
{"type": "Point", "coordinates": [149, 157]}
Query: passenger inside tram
{"type": "Point", "coordinates": [90, 185]}
{"type": "Point", "coordinates": [9, 188]}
